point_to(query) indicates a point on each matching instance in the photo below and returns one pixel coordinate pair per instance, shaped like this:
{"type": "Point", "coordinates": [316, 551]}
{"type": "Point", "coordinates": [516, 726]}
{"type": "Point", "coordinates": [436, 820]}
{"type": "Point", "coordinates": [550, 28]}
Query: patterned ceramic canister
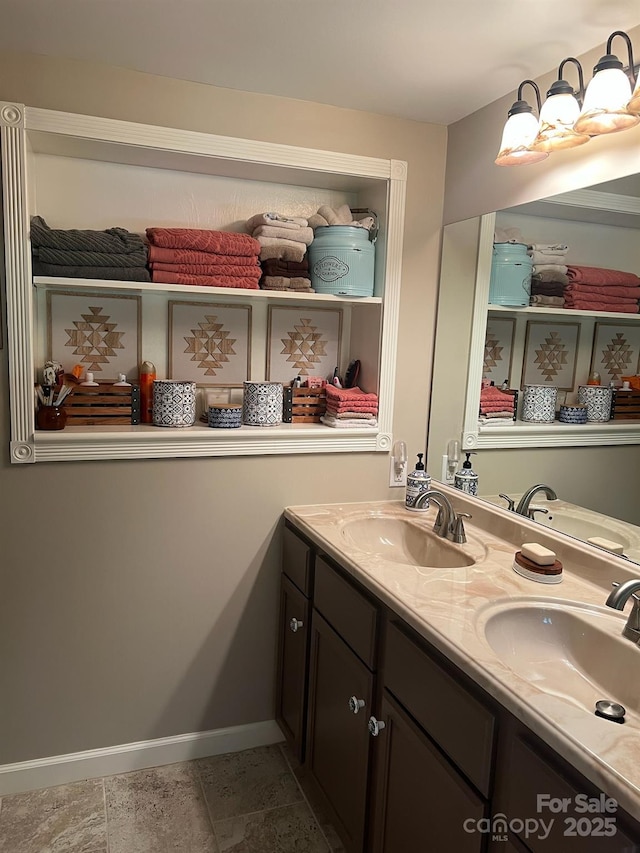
{"type": "Point", "coordinates": [539, 404]}
{"type": "Point", "coordinates": [262, 404]}
{"type": "Point", "coordinates": [597, 399]}
{"type": "Point", "coordinates": [174, 403]}
{"type": "Point", "coordinates": [225, 416]}
{"type": "Point", "coordinates": [573, 414]}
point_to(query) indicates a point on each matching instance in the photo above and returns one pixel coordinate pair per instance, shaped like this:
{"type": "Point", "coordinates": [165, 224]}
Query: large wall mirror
{"type": "Point", "coordinates": [594, 468]}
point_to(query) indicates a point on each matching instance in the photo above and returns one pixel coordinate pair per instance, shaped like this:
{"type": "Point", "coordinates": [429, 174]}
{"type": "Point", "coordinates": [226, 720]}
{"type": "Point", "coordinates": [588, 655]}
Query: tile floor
{"type": "Point", "coordinates": [244, 802]}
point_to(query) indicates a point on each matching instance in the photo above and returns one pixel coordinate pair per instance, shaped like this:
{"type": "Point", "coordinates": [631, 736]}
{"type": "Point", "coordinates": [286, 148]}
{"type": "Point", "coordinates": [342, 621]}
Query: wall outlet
{"type": "Point", "coordinates": [397, 479]}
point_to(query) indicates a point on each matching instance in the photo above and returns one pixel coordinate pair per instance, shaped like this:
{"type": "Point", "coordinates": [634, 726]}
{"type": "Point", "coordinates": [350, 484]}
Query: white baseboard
{"type": "Point", "coordinates": [93, 763]}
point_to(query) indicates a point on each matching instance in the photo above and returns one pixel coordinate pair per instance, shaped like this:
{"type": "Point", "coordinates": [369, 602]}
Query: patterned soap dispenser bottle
{"type": "Point", "coordinates": [466, 478]}
{"type": "Point", "coordinates": [418, 481]}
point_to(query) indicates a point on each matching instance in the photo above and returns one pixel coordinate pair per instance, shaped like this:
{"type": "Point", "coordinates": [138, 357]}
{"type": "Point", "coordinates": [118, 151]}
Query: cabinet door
{"type": "Point", "coordinates": [420, 802]}
{"type": "Point", "coordinates": [338, 738]}
{"type": "Point", "coordinates": [291, 688]}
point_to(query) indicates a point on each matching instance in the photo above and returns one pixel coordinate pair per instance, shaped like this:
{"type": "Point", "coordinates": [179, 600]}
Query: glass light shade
{"type": "Point", "coordinates": [634, 104]}
{"type": "Point", "coordinates": [605, 104]}
{"type": "Point", "coordinates": [517, 137]}
{"type": "Point", "coordinates": [557, 118]}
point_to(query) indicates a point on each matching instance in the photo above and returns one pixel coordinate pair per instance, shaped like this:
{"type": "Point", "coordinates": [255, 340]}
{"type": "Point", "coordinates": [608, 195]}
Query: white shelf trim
{"type": "Point", "coordinates": [53, 282]}
{"type": "Point", "coordinates": [563, 312]}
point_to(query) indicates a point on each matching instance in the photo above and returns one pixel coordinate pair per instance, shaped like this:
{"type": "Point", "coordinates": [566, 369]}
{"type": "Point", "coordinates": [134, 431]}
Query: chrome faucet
{"type": "Point", "coordinates": [523, 506]}
{"type": "Point", "coordinates": [448, 523]}
{"type": "Point", "coordinates": [618, 598]}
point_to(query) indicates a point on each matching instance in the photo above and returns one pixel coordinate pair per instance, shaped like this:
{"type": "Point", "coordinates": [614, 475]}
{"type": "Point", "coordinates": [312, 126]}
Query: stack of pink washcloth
{"type": "Point", "coordinates": [495, 403]}
{"type": "Point", "coordinates": [350, 407]}
{"type": "Point", "coordinates": [597, 289]}
{"type": "Point", "coordinates": [194, 256]}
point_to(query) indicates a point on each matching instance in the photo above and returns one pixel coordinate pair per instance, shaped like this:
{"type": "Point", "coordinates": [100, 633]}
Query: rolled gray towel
{"type": "Point", "coordinates": [90, 259]}
{"type": "Point", "coordinates": [111, 240]}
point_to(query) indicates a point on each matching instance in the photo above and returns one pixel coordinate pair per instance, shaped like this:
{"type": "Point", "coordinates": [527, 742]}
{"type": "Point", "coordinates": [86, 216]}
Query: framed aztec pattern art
{"type": "Point", "coordinates": [616, 351]}
{"type": "Point", "coordinates": [498, 349]}
{"type": "Point", "coordinates": [550, 354]}
{"type": "Point", "coordinates": [99, 331]}
{"type": "Point", "coordinates": [302, 342]}
{"type": "Point", "coordinates": [210, 344]}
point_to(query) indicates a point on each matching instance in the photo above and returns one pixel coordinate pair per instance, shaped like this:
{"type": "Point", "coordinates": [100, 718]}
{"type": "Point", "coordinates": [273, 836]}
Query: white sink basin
{"type": "Point", "coordinates": [566, 649]}
{"type": "Point", "coordinates": [400, 540]}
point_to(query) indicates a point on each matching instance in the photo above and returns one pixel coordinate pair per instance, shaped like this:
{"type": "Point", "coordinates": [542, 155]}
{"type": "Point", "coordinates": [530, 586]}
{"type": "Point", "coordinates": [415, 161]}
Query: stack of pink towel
{"type": "Point", "coordinates": [495, 403]}
{"type": "Point", "coordinates": [282, 237]}
{"type": "Point", "coordinates": [193, 256]}
{"type": "Point", "coordinates": [596, 289]}
{"type": "Point", "coordinates": [350, 407]}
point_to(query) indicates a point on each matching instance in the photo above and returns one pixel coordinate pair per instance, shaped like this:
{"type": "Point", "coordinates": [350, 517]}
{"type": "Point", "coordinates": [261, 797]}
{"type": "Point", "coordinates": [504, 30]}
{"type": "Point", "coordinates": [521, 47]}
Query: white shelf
{"type": "Point", "coordinates": [521, 434]}
{"type": "Point", "coordinates": [560, 312]}
{"type": "Point", "coordinates": [55, 282]}
{"type": "Point", "coordinates": [40, 147]}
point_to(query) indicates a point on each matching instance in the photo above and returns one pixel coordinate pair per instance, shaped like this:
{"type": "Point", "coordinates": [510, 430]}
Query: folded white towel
{"type": "Point", "coordinates": [546, 257]}
{"type": "Point", "coordinates": [290, 222]}
{"type": "Point", "coordinates": [300, 235]}
{"type": "Point", "coordinates": [348, 423]}
{"type": "Point", "coordinates": [550, 248]}
{"type": "Point", "coordinates": [539, 268]}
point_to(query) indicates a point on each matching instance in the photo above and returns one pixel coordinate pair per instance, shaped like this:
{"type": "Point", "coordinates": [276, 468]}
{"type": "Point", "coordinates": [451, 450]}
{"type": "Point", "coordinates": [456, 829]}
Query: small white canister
{"type": "Point", "coordinates": [262, 404]}
{"type": "Point", "coordinates": [539, 404]}
{"type": "Point", "coordinates": [597, 399]}
{"type": "Point", "coordinates": [174, 403]}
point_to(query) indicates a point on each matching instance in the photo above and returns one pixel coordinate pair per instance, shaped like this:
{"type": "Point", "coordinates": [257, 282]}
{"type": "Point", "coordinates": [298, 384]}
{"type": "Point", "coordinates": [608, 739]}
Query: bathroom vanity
{"type": "Point", "coordinates": [419, 688]}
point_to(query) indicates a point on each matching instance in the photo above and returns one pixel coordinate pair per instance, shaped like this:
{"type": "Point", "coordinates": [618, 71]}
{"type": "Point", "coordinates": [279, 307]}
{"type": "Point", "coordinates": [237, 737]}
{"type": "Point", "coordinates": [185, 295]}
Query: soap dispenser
{"type": "Point", "coordinates": [418, 481]}
{"type": "Point", "coordinates": [466, 478]}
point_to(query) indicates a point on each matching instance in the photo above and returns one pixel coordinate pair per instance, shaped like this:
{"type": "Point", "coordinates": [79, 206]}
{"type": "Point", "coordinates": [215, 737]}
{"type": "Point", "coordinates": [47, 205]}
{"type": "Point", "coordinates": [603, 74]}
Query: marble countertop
{"type": "Point", "coordinates": [447, 608]}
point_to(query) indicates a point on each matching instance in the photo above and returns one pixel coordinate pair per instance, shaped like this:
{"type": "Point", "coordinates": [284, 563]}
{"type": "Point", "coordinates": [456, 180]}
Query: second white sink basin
{"type": "Point", "coordinates": [400, 540]}
{"type": "Point", "coordinates": [566, 649]}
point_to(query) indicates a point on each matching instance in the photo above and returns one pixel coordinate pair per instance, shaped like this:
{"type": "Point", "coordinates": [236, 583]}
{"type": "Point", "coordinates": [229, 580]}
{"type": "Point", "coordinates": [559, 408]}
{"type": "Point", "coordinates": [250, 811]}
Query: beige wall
{"type": "Point", "coordinates": [139, 599]}
{"type": "Point", "coordinates": [590, 476]}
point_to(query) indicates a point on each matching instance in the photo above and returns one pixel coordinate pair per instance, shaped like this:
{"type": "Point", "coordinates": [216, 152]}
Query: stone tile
{"type": "Point", "coordinates": [157, 811]}
{"type": "Point", "coordinates": [310, 795]}
{"type": "Point", "coordinates": [64, 819]}
{"type": "Point", "coordinates": [288, 829]}
{"type": "Point", "coordinates": [249, 781]}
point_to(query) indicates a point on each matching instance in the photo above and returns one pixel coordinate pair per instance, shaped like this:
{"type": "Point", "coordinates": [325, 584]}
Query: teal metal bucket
{"type": "Point", "coordinates": [342, 261]}
{"type": "Point", "coordinates": [511, 268]}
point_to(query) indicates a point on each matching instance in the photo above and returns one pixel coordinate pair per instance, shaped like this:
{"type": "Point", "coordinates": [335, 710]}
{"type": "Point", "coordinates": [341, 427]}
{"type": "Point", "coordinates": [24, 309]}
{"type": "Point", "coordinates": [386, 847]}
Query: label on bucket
{"type": "Point", "coordinates": [330, 269]}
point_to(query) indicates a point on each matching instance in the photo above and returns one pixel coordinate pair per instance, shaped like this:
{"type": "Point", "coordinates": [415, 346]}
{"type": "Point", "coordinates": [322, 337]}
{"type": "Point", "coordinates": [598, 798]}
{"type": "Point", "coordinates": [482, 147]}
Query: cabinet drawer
{"type": "Point", "coordinates": [297, 560]}
{"type": "Point", "coordinates": [461, 725]}
{"type": "Point", "coordinates": [347, 610]}
{"type": "Point", "coordinates": [583, 832]}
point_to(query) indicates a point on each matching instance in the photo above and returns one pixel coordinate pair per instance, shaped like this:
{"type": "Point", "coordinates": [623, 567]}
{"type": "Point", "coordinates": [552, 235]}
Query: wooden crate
{"type": "Point", "coordinates": [307, 405]}
{"type": "Point", "coordinates": [91, 405]}
{"type": "Point", "coordinates": [626, 405]}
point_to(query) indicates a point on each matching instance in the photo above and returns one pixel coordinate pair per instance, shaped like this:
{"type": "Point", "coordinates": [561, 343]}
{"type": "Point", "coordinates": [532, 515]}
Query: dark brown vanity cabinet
{"type": "Point", "coordinates": [402, 748]}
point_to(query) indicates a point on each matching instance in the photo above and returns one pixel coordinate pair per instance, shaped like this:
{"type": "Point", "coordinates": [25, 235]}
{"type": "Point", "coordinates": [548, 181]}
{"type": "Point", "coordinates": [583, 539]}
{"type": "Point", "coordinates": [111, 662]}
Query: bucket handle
{"type": "Point", "coordinates": [373, 233]}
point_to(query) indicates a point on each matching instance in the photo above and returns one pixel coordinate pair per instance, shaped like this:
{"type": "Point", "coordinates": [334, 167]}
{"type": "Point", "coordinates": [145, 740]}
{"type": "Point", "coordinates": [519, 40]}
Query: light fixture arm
{"type": "Point", "coordinates": [579, 94]}
{"type": "Point", "coordinates": [630, 69]}
{"type": "Point", "coordinates": [536, 90]}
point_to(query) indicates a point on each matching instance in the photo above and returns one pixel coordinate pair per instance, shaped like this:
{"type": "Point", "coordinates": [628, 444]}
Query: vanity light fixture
{"type": "Point", "coordinates": [609, 106]}
{"type": "Point", "coordinates": [520, 131]}
{"type": "Point", "coordinates": [605, 108]}
{"type": "Point", "coordinates": [559, 113]}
